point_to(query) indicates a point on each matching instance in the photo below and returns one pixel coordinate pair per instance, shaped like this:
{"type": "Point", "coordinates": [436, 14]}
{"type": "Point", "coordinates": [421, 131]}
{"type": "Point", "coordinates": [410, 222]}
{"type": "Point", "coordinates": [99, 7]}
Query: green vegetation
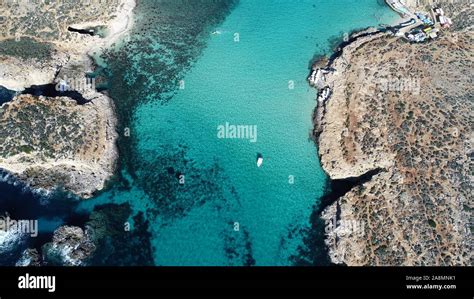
{"type": "Point", "coordinates": [26, 48]}
{"type": "Point", "coordinates": [25, 149]}
{"type": "Point", "coordinates": [30, 126]}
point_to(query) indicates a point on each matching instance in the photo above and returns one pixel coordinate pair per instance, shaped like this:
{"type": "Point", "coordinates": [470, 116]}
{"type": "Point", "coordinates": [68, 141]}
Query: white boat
{"type": "Point", "coordinates": [215, 32]}
{"type": "Point", "coordinates": [259, 160]}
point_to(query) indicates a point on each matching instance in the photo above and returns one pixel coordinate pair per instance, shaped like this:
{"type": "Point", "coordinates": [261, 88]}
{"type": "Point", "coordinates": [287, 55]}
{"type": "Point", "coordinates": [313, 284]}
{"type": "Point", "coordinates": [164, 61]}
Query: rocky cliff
{"type": "Point", "coordinates": [406, 110]}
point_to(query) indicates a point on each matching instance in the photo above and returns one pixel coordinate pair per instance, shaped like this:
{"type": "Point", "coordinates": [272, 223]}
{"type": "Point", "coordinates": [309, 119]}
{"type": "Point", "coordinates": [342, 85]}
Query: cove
{"type": "Point", "coordinates": [205, 199]}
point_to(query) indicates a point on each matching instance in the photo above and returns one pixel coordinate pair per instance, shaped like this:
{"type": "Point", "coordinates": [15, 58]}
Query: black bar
{"type": "Point", "coordinates": [292, 282]}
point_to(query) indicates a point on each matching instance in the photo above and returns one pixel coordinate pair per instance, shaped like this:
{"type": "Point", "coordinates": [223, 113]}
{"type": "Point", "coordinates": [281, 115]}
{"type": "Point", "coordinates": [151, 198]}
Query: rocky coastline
{"type": "Point", "coordinates": [404, 207]}
{"type": "Point", "coordinates": [70, 146]}
{"type": "Point", "coordinates": [61, 130]}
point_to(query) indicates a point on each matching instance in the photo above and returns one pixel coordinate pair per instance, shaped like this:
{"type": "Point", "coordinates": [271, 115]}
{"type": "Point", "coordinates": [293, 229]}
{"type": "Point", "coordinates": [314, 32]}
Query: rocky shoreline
{"type": "Point", "coordinates": [64, 138]}
{"type": "Point", "coordinates": [59, 132]}
{"type": "Point", "coordinates": [325, 71]}
{"type": "Point", "coordinates": [402, 210]}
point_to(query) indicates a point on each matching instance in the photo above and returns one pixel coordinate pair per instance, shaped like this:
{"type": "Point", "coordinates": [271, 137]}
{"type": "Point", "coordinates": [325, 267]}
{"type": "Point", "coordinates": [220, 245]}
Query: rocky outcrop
{"type": "Point", "coordinates": [331, 136]}
{"type": "Point", "coordinates": [55, 142]}
{"type": "Point", "coordinates": [29, 258]}
{"type": "Point", "coordinates": [52, 141]}
{"type": "Point", "coordinates": [35, 42]}
{"type": "Point", "coordinates": [406, 109]}
{"type": "Point", "coordinates": [70, 246]}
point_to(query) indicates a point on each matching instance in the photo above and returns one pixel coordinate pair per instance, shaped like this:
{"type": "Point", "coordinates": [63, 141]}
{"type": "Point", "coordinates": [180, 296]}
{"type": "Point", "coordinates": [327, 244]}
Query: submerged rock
{"type": "Point", "coordinates": [121, 239]}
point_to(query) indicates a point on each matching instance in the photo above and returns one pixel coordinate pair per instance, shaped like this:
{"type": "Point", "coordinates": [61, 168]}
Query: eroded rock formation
{"type": "Point", "coordinates": [70, 246]}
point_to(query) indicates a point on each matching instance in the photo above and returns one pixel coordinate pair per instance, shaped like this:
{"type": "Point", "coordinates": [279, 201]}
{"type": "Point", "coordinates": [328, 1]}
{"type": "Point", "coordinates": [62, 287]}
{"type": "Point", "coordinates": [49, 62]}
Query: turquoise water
{"type": "Point", "coordinates": [257, 80]}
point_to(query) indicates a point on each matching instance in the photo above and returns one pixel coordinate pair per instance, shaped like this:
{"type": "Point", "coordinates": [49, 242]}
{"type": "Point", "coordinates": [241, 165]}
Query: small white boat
{"type": "Point", "coordinates": [215, 32]}
{"type": "Point", "coordinates": [259, 160]}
